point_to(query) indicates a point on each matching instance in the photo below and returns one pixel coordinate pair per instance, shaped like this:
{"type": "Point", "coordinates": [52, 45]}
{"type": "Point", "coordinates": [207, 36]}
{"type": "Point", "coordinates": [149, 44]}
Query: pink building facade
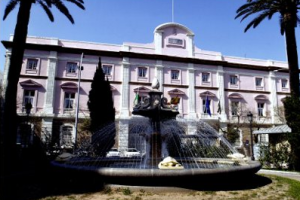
{"type": "Point", "coordinates": [233, 86]}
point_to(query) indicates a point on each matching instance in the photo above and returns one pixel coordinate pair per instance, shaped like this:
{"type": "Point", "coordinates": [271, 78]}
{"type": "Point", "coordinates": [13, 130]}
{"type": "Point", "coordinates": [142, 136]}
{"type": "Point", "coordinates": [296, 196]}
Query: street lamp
{"type": "Point", "coordinates": [250, 119]}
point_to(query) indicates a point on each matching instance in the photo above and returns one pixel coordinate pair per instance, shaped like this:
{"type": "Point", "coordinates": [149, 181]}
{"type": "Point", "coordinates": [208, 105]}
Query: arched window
{"type": "Point", "coordinates": [261, 105]}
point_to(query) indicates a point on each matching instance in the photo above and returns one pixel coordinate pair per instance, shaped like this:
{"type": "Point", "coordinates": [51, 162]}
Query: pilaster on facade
{"type": "Point", "coordinates": [273, 97]}
{"type": "Point", "coordinates": [50, 87]}
{"type": "Point", "coordinates": [47, 124]}
{"type": "Point", "coordinates": [221, 93]}
{"type": "Point", "coordinates": [125, 47]}
{"type": "Point", "coordinates": [123, 134]}
{"type": "Point", "coordinates": [159, 73]}
{"type": "Point", "coordinates": [124, 111]}
{"type": "Point", "coordinates": [6, 69]}
{"type": "Point", "coordinates": [190, 45]}
{"type": "Point", "coordinates": [158, 41]}
{"type": "Point", "coordinates": [191, 92]}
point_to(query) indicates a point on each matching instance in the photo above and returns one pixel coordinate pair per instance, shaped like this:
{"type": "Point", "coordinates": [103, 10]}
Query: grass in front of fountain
{"type": "Point", "coordinates": [261, 187]}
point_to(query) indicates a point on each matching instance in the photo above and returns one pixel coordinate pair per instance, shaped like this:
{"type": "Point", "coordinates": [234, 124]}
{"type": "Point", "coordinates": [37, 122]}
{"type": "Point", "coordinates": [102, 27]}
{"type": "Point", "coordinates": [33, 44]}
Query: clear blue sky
{"type": "Point", "coordinates": [118, 21]}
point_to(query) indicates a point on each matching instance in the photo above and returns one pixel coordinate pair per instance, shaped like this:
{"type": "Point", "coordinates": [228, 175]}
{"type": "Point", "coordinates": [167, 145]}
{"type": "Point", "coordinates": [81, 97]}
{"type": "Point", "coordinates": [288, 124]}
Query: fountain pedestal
{"type": "Point", "coordinates": [155, 150]}
{"type": "Point", "coordinates": [156, 109]}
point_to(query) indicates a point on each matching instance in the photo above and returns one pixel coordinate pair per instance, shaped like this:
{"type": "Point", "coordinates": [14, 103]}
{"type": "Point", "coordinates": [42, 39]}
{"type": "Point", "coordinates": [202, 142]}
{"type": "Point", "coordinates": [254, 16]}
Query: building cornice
{"type": "Point", "coordinates": [247, 91]}
{"type": "Point", "coordinates": [121, 54]}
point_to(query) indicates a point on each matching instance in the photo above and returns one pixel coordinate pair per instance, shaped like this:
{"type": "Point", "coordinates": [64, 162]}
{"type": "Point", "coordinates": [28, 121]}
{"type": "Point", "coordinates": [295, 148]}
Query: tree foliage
{"type": "Point", "coordinates": [102, 113]}
{"type": "Point", "coordinates": [17, 53]}
{"type": "Point", "coordinates": [292, 114]}
{"type": "Point", "coordinates": [287, 10]}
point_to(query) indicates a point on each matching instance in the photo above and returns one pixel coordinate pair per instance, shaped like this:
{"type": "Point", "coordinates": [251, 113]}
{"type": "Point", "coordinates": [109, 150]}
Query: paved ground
{"type": "Point", "coordinates": [291, 175]}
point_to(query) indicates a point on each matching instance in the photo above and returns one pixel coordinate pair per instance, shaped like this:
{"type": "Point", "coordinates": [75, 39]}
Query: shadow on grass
{"type": "Point", "coordinates": [35, 180]}
{"type": "Point", "coordinates": [48, 181]}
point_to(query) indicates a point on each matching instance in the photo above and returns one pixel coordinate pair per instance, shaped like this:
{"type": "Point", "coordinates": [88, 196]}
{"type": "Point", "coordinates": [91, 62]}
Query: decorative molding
{"type": "Point", "coordinates": [69, 85]}
{"type": "Point", "coordinates": [33, 77]}
{"type": "Point", "coordinates": [284, 93]}
{"type": "Point", "coordinates": [206, 88]}
{"type": "Point", "coordinates": [247, 91]}
{"type": "Point", "coordinates": [261, 97]}
{"type": "Point", "coordinates": [207, 93]}
{"type": "Point", "coordinates": [174, 85]}
{"type": "Point", "coordinates": [139, 83]}
{"type": "Point", "coordinates": [176, 92]}
{"type": "Point", "coordinates": [121, 54]}
{"type": "Point", "coordinates": [30, 83]}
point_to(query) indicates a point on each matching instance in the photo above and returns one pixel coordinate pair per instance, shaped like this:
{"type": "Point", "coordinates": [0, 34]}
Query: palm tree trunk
{"type": "Point", "coordinates": [19, 41]}
{"type": "Point", "coordinates": [292, 57]}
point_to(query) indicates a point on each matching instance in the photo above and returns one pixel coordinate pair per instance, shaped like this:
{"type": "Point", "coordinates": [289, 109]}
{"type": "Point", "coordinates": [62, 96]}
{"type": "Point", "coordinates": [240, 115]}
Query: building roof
{"type": "Point", "coordinates": [274, 130]}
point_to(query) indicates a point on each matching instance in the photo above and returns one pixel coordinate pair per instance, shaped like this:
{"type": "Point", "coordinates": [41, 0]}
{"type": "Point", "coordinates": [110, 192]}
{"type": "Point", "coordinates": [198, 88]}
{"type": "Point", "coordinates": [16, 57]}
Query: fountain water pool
{"type": "Point", "coordinates": [168, 152]}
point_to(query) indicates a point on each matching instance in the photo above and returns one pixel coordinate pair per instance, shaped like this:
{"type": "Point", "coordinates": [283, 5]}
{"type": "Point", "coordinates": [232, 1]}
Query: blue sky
{"type": "Point", "coordinates": [118, 21]}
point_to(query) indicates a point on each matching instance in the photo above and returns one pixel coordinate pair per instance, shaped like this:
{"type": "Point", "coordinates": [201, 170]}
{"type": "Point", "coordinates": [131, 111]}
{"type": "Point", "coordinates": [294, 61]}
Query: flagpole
{"type": "Point", "coordinates": [172, 10]}
{"type": "Point", "coordinates": [77, 107]}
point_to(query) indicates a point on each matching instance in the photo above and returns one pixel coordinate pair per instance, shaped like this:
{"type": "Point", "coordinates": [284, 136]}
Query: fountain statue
{"type": "Point", "coordinates": [167, 151]}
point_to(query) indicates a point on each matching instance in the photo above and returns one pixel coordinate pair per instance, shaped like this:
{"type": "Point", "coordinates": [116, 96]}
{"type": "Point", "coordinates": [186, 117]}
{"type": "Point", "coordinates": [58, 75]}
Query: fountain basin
{"type": "Point", "coordinates": [122, 174]}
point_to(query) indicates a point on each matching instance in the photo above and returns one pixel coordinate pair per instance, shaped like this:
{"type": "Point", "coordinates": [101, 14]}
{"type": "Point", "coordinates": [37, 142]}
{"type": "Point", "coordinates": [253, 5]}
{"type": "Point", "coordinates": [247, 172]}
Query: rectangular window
{"type": "Point", "coordinates": [32, 64]}
{"type": "Point", "coordinates": [205, 77]}
{"type": "Point", "coordinates": [258, 82]}
{"type": "Point", "coordinates": [260, 109]}
{"type": "Point", "coordinates": [283, 83]}
{"type": "Point", "coordinates": [234, 108]}
{"type": "Point", "coordinates": [69, 101]}
{"type": "Point", "coordinates": [28, 97]}
{"type": "Point", "coordinates": [175, 41]}
{"type": "Point", "coordinates": [233, 80]}
{"type": "Point", "coordinates": [66, 137]}
{"type": "Point", "coordinates": [107, 69]}
{"type": "Point", "coordinates": [71, 68]}
{"type": "Point", "coordinates": [175, 74]}
{"type": "Point", "coordinates": [142, 72]}
{"type": "Point", "coordinates": [204, 105]}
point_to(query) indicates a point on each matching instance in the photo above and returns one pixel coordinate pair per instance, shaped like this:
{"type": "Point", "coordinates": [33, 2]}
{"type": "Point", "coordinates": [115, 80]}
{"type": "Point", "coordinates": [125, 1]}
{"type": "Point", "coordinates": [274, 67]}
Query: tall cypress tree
{"type": "Point", "coordinates": [102, 113]}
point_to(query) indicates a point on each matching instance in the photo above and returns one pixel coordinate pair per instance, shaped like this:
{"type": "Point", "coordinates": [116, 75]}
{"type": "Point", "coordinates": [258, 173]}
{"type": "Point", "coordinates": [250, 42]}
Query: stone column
{"type": "Point", "coordinates": [125, 89]}
{"type": "Point", "coordinates": [159, 73]}
{"type": "Point", "coordinates": [6, 69]}
{"type": "Point", "coordinates": [190, 45]}
{"type": "Point", "coordinates": [273, 96]}
{"type": "Point", "coordinates": [124, 111]}
{"type": "Point", "coordinates": [50, 87]}
{"type": "Point", "coordinates": [191, 91]}
{"type": "Point", "coordinates": [158, 42]}
{"type": "Point", "coordinates": [221, 93]}
{"type": "Point", "coordinates": [123, 134]}
{"type": "Point", "coordinates": [192, 115]}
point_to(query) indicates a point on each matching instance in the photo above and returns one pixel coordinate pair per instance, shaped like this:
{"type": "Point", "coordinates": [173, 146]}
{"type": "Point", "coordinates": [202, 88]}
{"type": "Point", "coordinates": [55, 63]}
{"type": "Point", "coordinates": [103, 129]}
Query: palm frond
{"type": "Point", "coordinates": [48, 2]}
{"type": "Point", "coordinates": [282, 25]}
{"type": "Point", "coordinates": [63, 9]}
{"type": "Point", "coordinates": [46, 9]}
{"type": "Point", "coordinates": [9, 7]}
{"type": "Point", "coordinates": [79, 3]}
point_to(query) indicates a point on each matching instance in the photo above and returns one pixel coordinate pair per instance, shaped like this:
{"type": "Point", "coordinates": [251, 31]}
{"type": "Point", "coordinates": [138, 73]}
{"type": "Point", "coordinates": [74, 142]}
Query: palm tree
{"type": "Point", "coordinates": [18, 47]}
{"type": "Point", "coordinates": [287, 9]}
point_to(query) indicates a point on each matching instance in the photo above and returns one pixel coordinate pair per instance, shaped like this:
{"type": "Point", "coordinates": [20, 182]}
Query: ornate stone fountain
{"type": "Point", "coordinates": [205, 154]}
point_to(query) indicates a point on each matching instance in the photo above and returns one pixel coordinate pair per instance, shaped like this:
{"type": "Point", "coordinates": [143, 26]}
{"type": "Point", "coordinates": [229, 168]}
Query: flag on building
{"type": "Point", "coordinates": [219, 108]}
{"type": "Point", "coordinates": [136, 99]}
{"type": "Point", "coordinates": [207, 108]}
{"type": "Point", "coordinates": [175, 100]}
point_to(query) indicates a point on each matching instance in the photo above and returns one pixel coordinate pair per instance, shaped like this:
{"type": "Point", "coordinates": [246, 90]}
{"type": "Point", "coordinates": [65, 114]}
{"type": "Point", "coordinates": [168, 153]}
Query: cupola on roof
{"type": "Point", "coordinates": [175, 25]}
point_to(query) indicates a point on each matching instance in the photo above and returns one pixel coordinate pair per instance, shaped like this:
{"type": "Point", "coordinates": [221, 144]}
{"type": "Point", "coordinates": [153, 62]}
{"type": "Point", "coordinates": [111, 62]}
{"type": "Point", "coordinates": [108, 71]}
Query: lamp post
{"type": "Point", "coordinates": [250, 119]}
{"type": "Point", "coordinates": [77, 107]}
